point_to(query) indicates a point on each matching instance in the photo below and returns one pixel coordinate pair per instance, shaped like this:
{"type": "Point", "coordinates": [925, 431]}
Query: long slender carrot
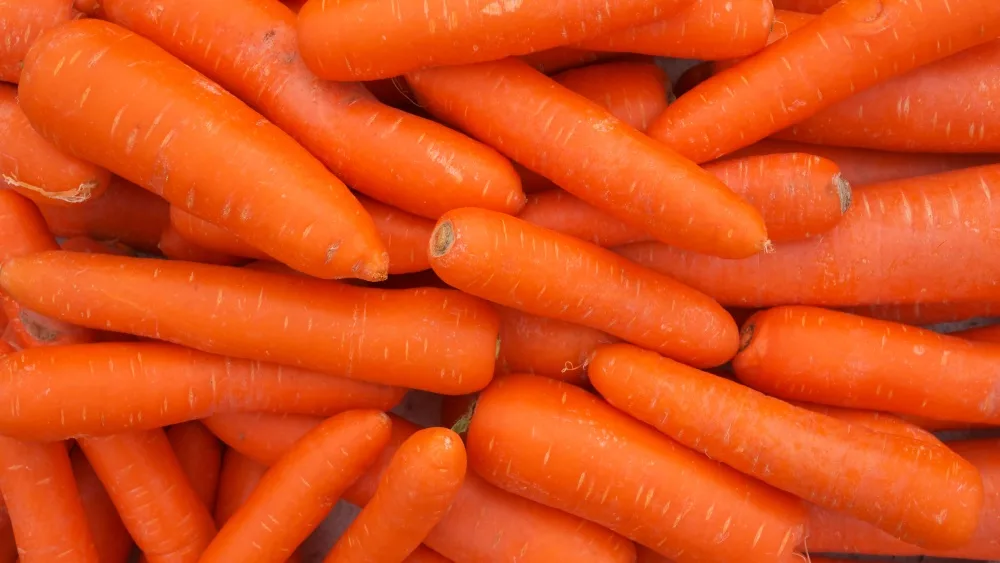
{"type": "Point", "coordinates": [705, 29]}
{"type": "Point", "coordinates": [199, 453]}
{"type": "Point", "coordinates": [927, 313]}
{"type": "Point", "coordinates": [632, 91]}
{"type": "Point", "coordinates": [922, 493]}
{"type": "Point", "coordinates": [830, 357]}
{"type": "Point", "coordinates": [21, 24]}
{"type": "Point", "coordinates": [295, 494]}
{"type": "Point", "coordinates": [850, 47]}
{"type": "Point", "coordinates": [426, 338]}
{"type": "Point", "coordinates": [159, 384]}
{"type": "Point", "coordinates": [210, 236]}
{"type": "Point", "coordinates": [864, 260]}
{"type": "Point", "coordinates": [414, 493]}
{"type": "Point", "coordinates": [391, 155]}
{"type": "Point", "coordinates": [113, 543]}
{"type": "Point", "coordinates": [262, 186]}
{"type": "Point", "coordinates": [174, 246]}
{"type": "Point", "coordinates": [558, 59]}
{"type": "Point", "coordinates": [516, 264]}
{"type": "Point", "coordinates": [567, 449]}
{"type": "Point", "coordinates": [551, 130]}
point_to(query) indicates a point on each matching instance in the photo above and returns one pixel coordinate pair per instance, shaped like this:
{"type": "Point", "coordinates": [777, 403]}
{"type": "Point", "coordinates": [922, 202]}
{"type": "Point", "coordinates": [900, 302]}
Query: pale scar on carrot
{"type": "Point", "coordinates": [36, 329]}
{"type": "Point", "coordinates": [442, 239]}
{"type": "Point", "coordinates": [78, 195]}
{"type": "Point", "coordinates": [746, 336]}
{"type": "Point", "coordinates": [844, 191]}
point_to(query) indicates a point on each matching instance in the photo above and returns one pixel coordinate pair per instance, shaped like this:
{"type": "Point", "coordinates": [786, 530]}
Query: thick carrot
{"type": "Point", "coordinates": [864, 260]}
{"type": "Point", "coordinates": [159, 384]}
{"type": "Point", "coordinates": [989, 333]}
{"type": "Point", "coordinates": [591, 154]}
{"type": "Point", "coordinates": [830, 357]}
{"type": "Point", "coordinates": [174, 246]}
{"type": "Point", "coordinates": [425, 555]}
{"type": "Point", "coordinates": [919, 492]}
{"type": "Point", "coordinates": [704, 29]}
{"type": "Point", "coordinates": [516, 264]}
{"type": "Point", "coordinates": [633, 92]}
{"type": "Point", "coordinates": [238, 478]}
{"type": "Point", "coordinates": [850, 47]}
{"type": "Point", "coordinates": [808, 6]}
{"type": "Point", "coordinates": [113, 543]}
{"type": "Point", "coordinates": [295, 494]}
{"type": "Point", "coordinates": [391, 155]}
{"type": "Point", "coordinates": [200, 454]}
{"type": "Point", "coordinates": [21, 24]}
{"type": "Point", "coordinates": [558, 59]}
{"type": "Point", "coordinates": [927, 313]}
{"type": "Point", "coordinates": [427, 338]}
{"type": "Point", "coordinates": [91, 246]}
{"type": "Point", "coordinates": [413, 495]}
{"type": "Point", "coordinates": [569, 450]}
{"type": "Point", "coordinates": [210, 236]}
{"type": "Point", "coordinates": [268, 190]}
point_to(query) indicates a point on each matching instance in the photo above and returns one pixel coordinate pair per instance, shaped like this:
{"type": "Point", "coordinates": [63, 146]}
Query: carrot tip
{"type": "Point", "coordinates": [746, 336]}
{"type": "Point", "coordinates": [442, 239]}
{"type": "Point", "coordinates": [768, 246]}
{"type": "Point", "coordinates": [844, 191]}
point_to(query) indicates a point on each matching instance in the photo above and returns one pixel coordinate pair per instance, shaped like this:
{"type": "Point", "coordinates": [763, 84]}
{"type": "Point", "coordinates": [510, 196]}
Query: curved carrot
{"type": "Point", "coordinates": [174, 246]}
{"type": "Point", "coordinates": [425, 555]}
{"type": "Point", "coordinates": [200, 454]}
{"type": "Point", "coordinates": [91, 246]}
{"type": "Point", "coordinates": [391, 155]}
{"type": "Point", "coordinates": [426, 338]}
{"type": "Point", "coordinates": [238, 479]}
{"type": "Point", "coordinates": [209, 236]}
{"type": "Point", "coordinates": [705, 30]}
{"type": "Point", "coordinates": [926, 313]}
{"type": "Point", "coordinates": [919, 492]}
{"type": "Point", "coordinates": [414, 493]}
{"type": "Point", "coordinates": [21, 24]}
{"type": "Point", "coordinates": [515, 108]}
{"type": "Point", "coordinates": [113, 543]}
{"type": "Point", "coordinates": [829, 357]}
{"type": "Point", "coordinates": [570, 450]}
{"type": "Point", "coordinates": [634, 92]}
{"type": "Point", "coordinates": [405, 236]}
{"type": "Point", "coordinates": [296, 493]}
{"type": "Point", "coordinates": [516, 264]}
{"type": "Point", "coordinates": [558, 59]}
{"type": "Point", "coordinates": [269, 190]}
{"type": "Point", "coordinates": [850, 47]}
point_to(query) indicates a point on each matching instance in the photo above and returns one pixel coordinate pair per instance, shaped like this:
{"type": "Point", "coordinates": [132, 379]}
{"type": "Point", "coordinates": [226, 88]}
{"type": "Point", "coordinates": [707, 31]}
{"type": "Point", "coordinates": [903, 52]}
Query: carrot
{"type": "Point", "coordinates": [873, 420]}
{"type": "Point", "coordinates": [295, 494]}
{"type": "Point", "coordinates": [830, 357]}
{"type": "Point", "coordinates": [263, 438]}
{"type": "Point", "coordinates": [850, 47]}
{"type": "Point", "coordinates": [432, 339]}
{"type": "Point", "coordinates": [174, 246]}
{"type": "Point", "coordinates": [414, 493]}
{"type": "Point", "coordinates": [271, 192]}
{"type": "Point", "coordinates": [559, 211]}
{"type": "Point", "coordinates": [692, 77]}
{"type": "Point", "coordinates": [541, 272]}
{"type": "Point", "coordinates": [424, 555]}
{"type": "Point", "coordinates": [209, 237]}
{"type": "Point", "coordinates": [393, 156]}
{"type": "Point", "coordinates": [785, 22]}
{"type": "Point", "coordinates": [863, 261]}
{"type": "Point", "coordinates": [200, 454]}
{"type": "Point", "coordinates": [919, 492]}
{"type": "Point", "coordinates": [926, 313]}
{"type": "Point", "coordinates": [989, 333]}
{"type": "Point", "coordinates": [159, 384]}
{"type": "Point", "coordinates": [22, 22]}
{"type": "Point", "coordinates": [515, 108]}
{"type": "Point", "coordinates": [569, 450]}
{"type": "Point", "coordinates": [633, 92]}
{"type": "Point", "coordinates": [8, 547]}
{"type": "Point", "coordinates": [113, 543]}
{"type": "Point", "coordinates": [91, 246]}
{"type": "Point", "coordinates": [558, 59]}
{"type": "Point", "coordinates": [704, 29]}
{"type": "Point", "coordinates": [238, 479]}
{"type": "Point", "coordinates": [405, 236]}
{"type": "Point", "coordinates": [543, 346]}
{"type": "Point", "coordinates": [808, 6]}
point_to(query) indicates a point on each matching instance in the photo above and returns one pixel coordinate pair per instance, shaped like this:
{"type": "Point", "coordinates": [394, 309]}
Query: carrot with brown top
{"type": "Point", "coordinates": [634, 92]}
{"type": "Point", "coordinates": [171, 140]}
{"type": "Point", "coordinates": [113, 543]}
{"type": "Point", "coordinates": [21, 24]}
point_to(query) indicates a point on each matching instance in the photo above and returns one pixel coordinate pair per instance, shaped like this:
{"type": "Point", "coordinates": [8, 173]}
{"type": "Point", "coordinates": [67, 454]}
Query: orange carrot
{"type": "Point", "coordinates": [295, 494]}
{"type": "Point", "coordinates": [927, 313]}
{"type": "Point", "coordinates": [271, 192]}
{"type": "Point", "coordinates": [406, 236]}
{"type": "Point", "coordinates": [8, 546]}
{"type": "Point", "coordinates": [567, 449]}
{"type": "Point", "coordinates": [238, 479]}
{"type": "Point", "coordinates": [91, 246]}
{"type": "Point", "coordinates": [830, 357]}
{"type": "Point", "coordinates": [919, 492]}
{"type": "Point", "coordinates": [174, 246]}
{"type": "Point", "coordinates": [113, 543]}
{"type": "Point", "coordinates": [263, 438]}
{"type": "Point", "coordinates": [200, 454]}
{"type": "Point", "coordinates": [850, 47]}
{"type": "Point", "coordinates": [159, 384]}
{"type": "Point", "coordinates": [391, 155]}
{"type": "Point", "coordinates": [559, 211]}
{"type": "Point", "coordinates": [414, 493]}
{"type": "Point", "coordinates": [516, 264]}
{"type": "Point", "coordinates": [210, 237]}
{"type": "Point", "coordinates": [424, 555]}
{"type": "Point", "coordinates": [558, 59]}
{"type": "Point", "coordinates": [432, 339]}
{"type": "Point", "coordinates": [864, 260]}
{"type": "Point", "coordinates": [989, 333]}
{"type": "Point", "coordinates": [873, 420]}
{"type": "Point", "coordinates": [645, 555]}
{"type": "Point", "coordinates": [785, 22]}
{"type": "Point", "coordinates": [808, 6]}
{"type": "Point", "coordinates": [21, 23]}
{"type": "Point", "coordinates": [704, 29]}
{"type": "Point", "coordinates": [633, 92]}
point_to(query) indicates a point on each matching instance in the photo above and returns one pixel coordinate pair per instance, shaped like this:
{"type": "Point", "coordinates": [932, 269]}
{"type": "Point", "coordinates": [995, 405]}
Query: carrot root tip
{"type": "Point", "coordinates": [461, 425]}
{"type": "Point", "coordinates": [768, 246]}
{"type": "Point", "coordinates": [844, 191]}
{"type": "Point", "coordinates": [746, 336]}
{"type": "Point", "coordinates": [442, 239]}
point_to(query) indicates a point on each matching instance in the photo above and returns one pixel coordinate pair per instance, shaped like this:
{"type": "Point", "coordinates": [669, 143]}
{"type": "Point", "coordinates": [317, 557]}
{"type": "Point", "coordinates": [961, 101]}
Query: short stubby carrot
{"type": "Point", "coordinates": [171, 139]}
{"type": "Point", "coordinates": [568, 449]}
{"type": "Point", "coordinates": [551, 130]}
{"type": "Point", "coordinates": [830, 357]}
{"type": "Point", "coordinates": [21, 23]}
{"type": "Point", "coordinates": [381, 39]}
{"type": "Point", "coordinates": [210, 236]}
{"type": "Point", "coordinates": [850, 47]}
{"type": "Point", "coordinates": [391, 155]}
{"type": "Point", "coordinates": [174, 246]}
{"type": "Point", "coordinates": [516, 264]}
{"type": "Point", "coordinates": [426, 338]}
{"type": "Point", "coordinates": [917, 491]}
{"type": "Point", "coordinates": [200, 454]}
{"type": "Point", "coordinates": [705, 30]}
{"type": "Point", "coordinates": [296, 493]}
{"type": "Point", "coordinates": [947, 219]}
{"type": "Point", "coordinates": [414, 493]}
{"type": "Point", "coordinates": [633, 92]}
{"type": "Point", "coordinates": [113, 543]}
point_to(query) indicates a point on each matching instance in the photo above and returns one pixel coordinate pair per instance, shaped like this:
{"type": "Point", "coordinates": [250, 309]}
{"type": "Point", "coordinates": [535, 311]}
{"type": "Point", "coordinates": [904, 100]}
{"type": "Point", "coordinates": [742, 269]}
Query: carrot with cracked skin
{"type": "Point", "coordinates": [160, 384]}
{"type": "Point", "coordinates": [568, 449]}
{"type": "Point", "coordinates": [174, 246]}
{"type": "Point", "coordinates": [830, 357]}
{"type": "Point", "coordinates": [296, 493]}
{"type": "Point", "coordinates": [927, 313]}
{"type": "Point", "coordinates": [634, 92]}
{"type": "Point", "coordinates": [200, 454]}
{"type": "Point", "coordinates": [704, 29]}
{"type": "Point", "coordinates": [850, 47]}
{"type": "Point", "coordinates": [22, 22]}
{"type": "Point", "coordinates": [490, 255]}
{"type": "Point", "coordinates": [171, 140]}
{"type": "Point", "coordinates": [113, 543]}
{"type": "Point", "coordinates": [922, 493]}
{"type": "Point", "coordinates": [628, 175]}
{"type": "Point", "coordinates": [391, 155]}
{"type": "Point", "coordinates": [413, 495]}
{"type": "Point", "coordinates": [425, 338]}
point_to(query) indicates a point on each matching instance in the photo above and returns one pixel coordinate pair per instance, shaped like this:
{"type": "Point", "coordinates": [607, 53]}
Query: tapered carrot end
{"type": "Point", "coordinates": [375, 269]}
{"type": "Point", "coordinates": [442, 239]}
{"type": "Point", "coordinates": [844, 191]}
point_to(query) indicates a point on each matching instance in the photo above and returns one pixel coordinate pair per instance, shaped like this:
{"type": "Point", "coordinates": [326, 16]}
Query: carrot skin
{"type": "Point", "coordinates": [209, 236]}
{"type": "Point", "coordinates": [22, 22]}
{"type": "Point", "coordinates": [927, 313]}
{"type": "Point", "coordinates": [633, 92]}
{"type": "Point", "coordinates": [200, 454]}
{"type": "Point", "coordinates": [113, 543]}
{"type": "Point", "coordinates": [238, 478]}
{"type": "Point", "coordinates": [271, 192]}
{"type": "Point", "coordinates": [558, 59]}
{"type": "Point", "coordinates": [989, 333]}
{"type": "Point", "coordinates": [175, 247]}
{"type": "Point", "coordinates": [559, 211]}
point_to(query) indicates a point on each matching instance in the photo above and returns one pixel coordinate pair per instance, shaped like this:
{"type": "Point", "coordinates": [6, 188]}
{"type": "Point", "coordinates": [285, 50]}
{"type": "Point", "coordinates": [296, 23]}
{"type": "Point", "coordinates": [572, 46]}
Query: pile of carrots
{"type": "Point", "coordinates": [669, 319]}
